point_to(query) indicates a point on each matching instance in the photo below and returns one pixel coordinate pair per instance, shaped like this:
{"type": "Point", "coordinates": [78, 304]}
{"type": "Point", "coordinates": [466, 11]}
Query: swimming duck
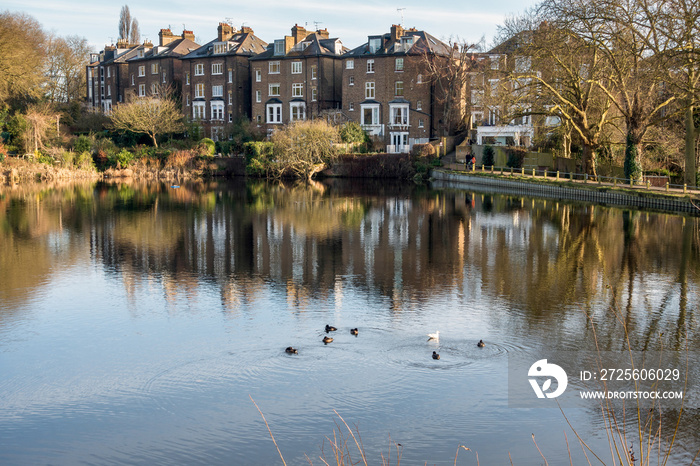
{"type": "Point", "coordinates": [435, 355]}
{"type": "Point", "coordinates": [291, 350]}
{"type": "Point", "coordinates": [330, 329]}
{"type": "Point", "coordinates": [327, 340]}
{"type": "Point", "coordinates": [481, 344]}
{"type": "Point", "coordinates": [434, 336]}
{"type": "Point", "coordinates": [353, 331]}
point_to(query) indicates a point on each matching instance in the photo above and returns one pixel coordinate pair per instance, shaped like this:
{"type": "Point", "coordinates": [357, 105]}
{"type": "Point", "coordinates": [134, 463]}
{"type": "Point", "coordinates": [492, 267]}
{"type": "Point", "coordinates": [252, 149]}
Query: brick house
{"type": "Point", "coordinates": [216, 79]}
{"type": "Point", "coordinates": [296, 78]}
{"type": "Point", "coordinates": [107, 74]}
{"type": "Point", "coordinates": [159, 69]}
{"type": "Point", "coordinates": [387, 91]}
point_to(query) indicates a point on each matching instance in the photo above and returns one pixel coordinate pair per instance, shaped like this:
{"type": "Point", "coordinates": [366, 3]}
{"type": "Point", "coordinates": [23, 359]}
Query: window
{"type": "Point", "coordinates": [351, 81]}
{"type": "Point", "coordinates": [313, 94]}
{"type": "Point", "coordinates": [187, 100]}
{"type": "Point", "coordinates": [199, 90]}
{"type": "Point", "coordinates": [274, 113]}
{"type": "Point", "coordinates": [109, 71]}
{"type": "Point", "coordinates": [198, 111]}
{"type": "Point", "coordinates": [477, 97]}
{"type": "Point", "coordinates": [142, 70]}
{"type": "Point", "coordinates": [187, 79]}
{"type": "Point", "coordinates": [313, 71]}
{"type": "Point", "coordinates": [217, 91]}
{"type": "Point", "coordinates": [154, 68]}
{"type": "Point", "coordinates": [220, 48]}
{"type": "Point", "coordinates": [419, 105]}
{"type": "Point", "coordinates": [494, 62]}
{"type": "Point", "coordinates": [274, 67]}
{"type": "Point", "coordinates": [419, 79]}
{"type": "Point", "coordinates": [398, 114]}
{"type": "Point", "coordinates": [370, 66]}
{"type": "Point", "coordinates": [351, 106]}
{"type": "Point", "coordinates": [297, 90]}
{"type": "Point", "coordinates": [369, 90]}
{"type": "Point", "coordinates": [370, 114]}
{"type": "Point", "coordinates": [230, 98]}
{"type": "Point", "coordinates": [199, 69]}
{"type": "Point", "coordinates": [522, 64]}
{"type": "Point", "coordinates": [420, 123]}
{"type": "Point", "coordinates": [230, 117]}
{"type": "Point", "coordinates": [154, 89]}
{"type": "Point", "coordinates": [273, 89]}
{"type": "Point", "coordinates": [132, 79]}
{"type": "Point", "coordinates": [258, 76]}
{"type": "Point", "coordinates": [398, 66]}
{"type": "Point", "coordinates": [350, 65]}
{"type": "Point", "coordinates": [296, 67]}
{"type": "Point", "coordinates": [217, 68]}
{"type": "Point", "coordinates": [109, 90]}
{"type": "Point", "coordinates": [217, 110]}
{"type": "Point", "coordinates": [374, 44]}
{"type": "Point", "coordinates": [230, 75]}
{"type": "Point", "coordinates": [398, 88]}
{"type": "Point", "coordinates": [164, 77]}
{"type": "Point", "coordinates": [142, 90]}
{"type": "Point", "coordinates": [297, 111]}
{"type": "Point", "coordinates": [279, 47]}
{"type": "Point", "coordinates": [258, 118]}
{"type": "Point", "coordinates": [258, 96]}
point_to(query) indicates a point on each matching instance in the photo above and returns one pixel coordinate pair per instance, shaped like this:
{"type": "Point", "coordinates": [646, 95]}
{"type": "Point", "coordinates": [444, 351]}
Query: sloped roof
{"type": "Point", "coordinates": [175, 49]}
{"type": "Point", "coordinates": [243, 43]}
{"type": "Point", "coordinates": [423, 42]}
{"type": "Point", "coordinates": [313, 45]}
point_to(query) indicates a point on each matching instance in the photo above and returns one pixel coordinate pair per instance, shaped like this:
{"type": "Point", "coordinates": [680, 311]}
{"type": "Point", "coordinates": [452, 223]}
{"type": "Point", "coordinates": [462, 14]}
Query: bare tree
{"type": "Point", "coordinates": [41, 122]}
{"type": "Point", "coordinates": [22, 53]}
{"type": "Point", "coordinates": [303, 148]}
{"type": "Point", "coordinates": [153, 115]}
{"type": "Point", "coordinates": [128, 27]}
{"type": "Point", "coordinates": [65, 68]}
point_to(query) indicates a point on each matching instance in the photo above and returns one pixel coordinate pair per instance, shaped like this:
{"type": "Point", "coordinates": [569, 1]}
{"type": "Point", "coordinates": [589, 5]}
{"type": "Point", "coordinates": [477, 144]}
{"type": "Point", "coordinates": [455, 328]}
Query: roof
{"type": "Point", "coordinates": [242, 43]}
{"type": "Point", "coordinates": [313, 45]}
{"type": "Point", "coordinates": [422, 42]}
{"type": "Point", "coordinates": [175, 49]}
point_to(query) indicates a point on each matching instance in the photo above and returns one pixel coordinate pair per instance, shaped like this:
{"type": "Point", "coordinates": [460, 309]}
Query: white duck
{"type": "Point", "coordinates": [434, 336]}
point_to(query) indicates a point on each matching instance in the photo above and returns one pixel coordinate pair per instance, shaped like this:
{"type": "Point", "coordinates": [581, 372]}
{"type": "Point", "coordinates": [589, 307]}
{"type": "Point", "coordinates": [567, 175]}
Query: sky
{"type": "Point", "coordinates": [351, 21]}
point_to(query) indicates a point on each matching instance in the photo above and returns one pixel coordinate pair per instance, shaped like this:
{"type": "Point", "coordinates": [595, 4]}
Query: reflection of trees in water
{"type": "Point", "coordinates": [551, 259]}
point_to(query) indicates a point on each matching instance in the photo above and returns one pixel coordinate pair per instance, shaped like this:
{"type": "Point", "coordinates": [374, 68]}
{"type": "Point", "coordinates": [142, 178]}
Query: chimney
{"type": "Point", "coordinates": [226, 31]}
{"type": "Point", "coordinates": [188, 35]}
{"type": "Point", "coordinates": [323, 33]}
{"type": "Point", "coordinates": [298, 33]}
{"type": "Point", "coordinates": [166, 36]}
{"type": "Point", "coordinates": [246, 30]}
{"type": "Point", "coordinates": [396, 32]}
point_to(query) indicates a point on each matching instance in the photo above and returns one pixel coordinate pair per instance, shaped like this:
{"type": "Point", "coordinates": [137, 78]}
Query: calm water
{"type": "Point", "coordinates": [136, 321]}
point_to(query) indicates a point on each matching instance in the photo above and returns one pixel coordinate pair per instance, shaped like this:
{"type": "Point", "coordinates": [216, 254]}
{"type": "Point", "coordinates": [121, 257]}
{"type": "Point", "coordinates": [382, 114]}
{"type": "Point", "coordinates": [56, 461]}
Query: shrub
{"type": "Point", "coordinates": [424, 150]}
{"type": "Point", "coordinates": [84, 161]}
{"type": "Point", "coordinates": [516, 155]}
{"type": "Point", "coordinates": [488, 156]}
{"type": "Point", "coordinates": [180, 159]}
{"type": "Point", "coordinates": [207, 147]}
{"type": "Point", "coordinates": [124, 158]}
{"type": "Point", "coordinates": [258, 157]}
{"type": "Point", "coordinates": [3, 152]}
{"type": "Point", "coordinates": [301, 148]}
{"type": "Point", "coordinates": [82, 144]}
{"type": "Point", "coordinates": [352, 132]}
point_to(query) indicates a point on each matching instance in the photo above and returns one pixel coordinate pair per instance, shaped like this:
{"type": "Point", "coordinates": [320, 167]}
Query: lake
{"type": "Point", "coordinates": [139, 321]}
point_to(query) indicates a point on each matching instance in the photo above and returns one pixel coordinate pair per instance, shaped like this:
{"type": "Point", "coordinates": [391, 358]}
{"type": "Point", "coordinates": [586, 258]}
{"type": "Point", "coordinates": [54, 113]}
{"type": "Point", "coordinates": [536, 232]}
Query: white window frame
{"type": "Point", "coordinates": [217, 68]}
{"type": "Point", "coordinates": [370, 90]}
{"type": "Point", "coordinates": [271, 89]}
{"type": "Point", "coordinates": [296, 67]}
{"type": "Point", "coordinates": [297, 111]}
{"type": "Point", "coordinates": [199, 90]}
{"type": "Point", "coordinates": [373, 112]}
{"type": "Point", "coordinates": [187, 78]}
{"type": "Point", "coordinates": [258, 96]}
{"type": "Point", "coordinates": [419, 105]}
{"type": "Point", "coordinates": [350, 65]}
{"type": "Point", "coordinates": [370, 66]}
{"type": "Point", "coordinates": [217, 90]}
{"type": "Point", "coordinates": [199, 69]}
{"type": "Point", "coordinates": [314, 71]}
{"type": "Point", "coordinates": [217, 110]}
{"type": "Point", "coordinates": [230, 75]}
{"type": "Point", "coordinates": [258, 75]}
{"type": "Point", "coordinates": [398, 85]}
{"type": "Point", "coordinates": [351, 107]}
{"type": "Point", "coordinates": [351, 80]}
{"type": "Point", "coordinates": [273, 67]}
{"type": "Point", "coordinates": [142, 90]}
{"type": "Point", "coordinates": [398, 64]}
{"type": "Point", "coordinates": [398, 115]}
{"type": "Point", "coordinates": [199, 110]}
{"type": "Point", "coordinates": [297, 90]}
{"type": "Point", "coordinates": [273, 113]}
{"type": "Point", "coordinates": [154, 68]}
{"type": "Point", "coordinates": [142, 71]}
{"type": "Point", "coordinates": [314, 94]}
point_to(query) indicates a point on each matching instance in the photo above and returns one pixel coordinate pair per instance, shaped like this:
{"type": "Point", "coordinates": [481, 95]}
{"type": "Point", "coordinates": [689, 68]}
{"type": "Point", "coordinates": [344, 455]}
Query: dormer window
{"type": "Point", "coordinates": [279, 47]}
{"type": "Point", "coordinates": [140, 54]}
{"type": "Point", "coordinates": [220, 48]}
{"type": "Point", "coordinates": [375, 43]}
{"type": "Point", "coordinates": [406, 43]}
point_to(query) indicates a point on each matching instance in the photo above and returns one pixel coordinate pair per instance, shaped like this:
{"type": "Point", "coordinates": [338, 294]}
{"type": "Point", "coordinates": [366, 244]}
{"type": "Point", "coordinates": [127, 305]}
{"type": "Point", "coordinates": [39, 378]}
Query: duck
{"type": "Point", "coordinates": [291, 350]}
{"type": "Point", "coordinates": [353, 331]}
{"type": "Point", "coordinates": [434, 336]}
{"type": "Point", "coordinates": [481, 344]}
{"type": "Point", "coordinates": [327, 340]}
{"type": "Point", "coordinates": [435, 355]}
{"type": "Point", "coordinates": [330, 328]}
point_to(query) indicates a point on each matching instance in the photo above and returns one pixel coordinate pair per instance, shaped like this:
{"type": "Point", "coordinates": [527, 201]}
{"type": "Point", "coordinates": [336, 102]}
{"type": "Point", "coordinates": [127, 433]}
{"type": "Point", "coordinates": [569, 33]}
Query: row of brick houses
{"type": "Point", "coordinates": [382, 85]}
